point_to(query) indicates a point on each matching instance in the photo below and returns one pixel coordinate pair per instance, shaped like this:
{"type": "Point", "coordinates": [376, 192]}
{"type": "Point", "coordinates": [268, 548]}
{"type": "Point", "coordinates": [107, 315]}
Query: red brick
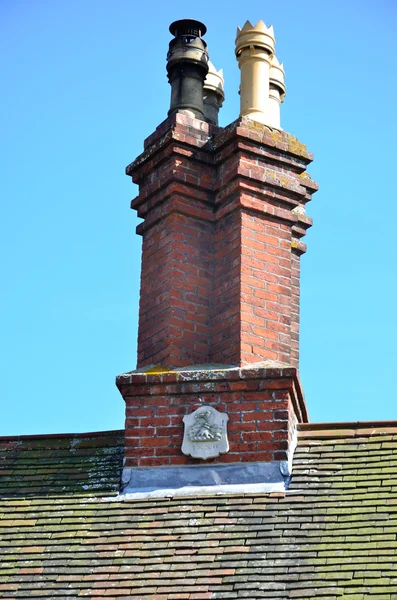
{"type": "Point", "coordinates": [257, 456]}
{"type": "Point", "coordinates": [256, 416]}
{"type": "Point", "coordinates": [280, 435]}
{"type": "Point", "coordinates": [272, 425]}
{"type": "Point", "coordinates": [131, 422]}
{"type": "Point", "coordinates": [251, 436]}
{"type": "Point", "coordinates": [158, 390]}
{"type": "Point", "coordinates": [274, 384]}
{"type": "Point", "coordinates": [267, 446]}
{"type": "Point", "coordinates": [155, 421]}
{"type": "Point", "coordinates": [170, 411]}
{"type": "Point", "coordinates": [138, 452]}
{"type": "Point", "coordinates": [231, 457]}
{"type": "Point", "coordinates": [171, 451]}
{"type": "Point", "coordinates": [281, 414]}
{"type": "Point", "coordinates": [258, 395]}
{"type": "Point", "coordinates": [137, 432]}
{"type": "Point", "coordinates": [281, 455]}
{"type": "Point", "coordinates": [168, 431]}
{"type": "Point", "coordinates": [243, 448]}
{"type": "Point", "coordinates": [154, 462]}
{"type": "Point", "coordinates": [237, 426]}
{"type": "Point", "coordinates": [242, 406]}
{"type": "Point", "coordinates": [155, 441]}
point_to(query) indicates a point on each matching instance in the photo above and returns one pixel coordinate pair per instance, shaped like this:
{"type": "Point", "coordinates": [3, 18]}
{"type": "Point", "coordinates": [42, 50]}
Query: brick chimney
{"type": "Point", "coordinates": [223, 214]}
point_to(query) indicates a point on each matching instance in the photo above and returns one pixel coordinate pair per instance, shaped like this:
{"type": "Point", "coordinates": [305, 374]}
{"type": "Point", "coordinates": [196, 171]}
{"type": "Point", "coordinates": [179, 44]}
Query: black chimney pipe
{"type": "Point", "coordinates": [187, 67]}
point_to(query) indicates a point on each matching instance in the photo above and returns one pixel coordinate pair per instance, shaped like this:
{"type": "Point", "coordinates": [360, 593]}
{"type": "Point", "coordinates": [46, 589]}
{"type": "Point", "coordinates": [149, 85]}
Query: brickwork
{"type": "Point", "coordinates": [263, 406]}
{"type": "Point", "coordinates": [177, 254]}
{"type": "Point", "coordinates": [226, 333]}
{"type": "Point", "coordinates": [176, 283]}
{"type": "Point", "coordinates": [224, 214]}
{"type": "Point", "coordinates": [295, 305]}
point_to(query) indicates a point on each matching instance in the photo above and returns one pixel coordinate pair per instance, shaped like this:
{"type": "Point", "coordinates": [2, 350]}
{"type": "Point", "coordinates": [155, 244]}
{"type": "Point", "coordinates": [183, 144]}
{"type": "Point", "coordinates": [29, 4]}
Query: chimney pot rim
{"type": "Point", "coordinates": [189, 24]}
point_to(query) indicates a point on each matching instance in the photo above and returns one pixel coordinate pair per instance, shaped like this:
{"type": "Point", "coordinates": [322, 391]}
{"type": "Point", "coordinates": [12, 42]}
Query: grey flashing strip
{"type": "Point", "coordinates": [146, 482]}
{"type": "Point", "coordinates": [198, 491]}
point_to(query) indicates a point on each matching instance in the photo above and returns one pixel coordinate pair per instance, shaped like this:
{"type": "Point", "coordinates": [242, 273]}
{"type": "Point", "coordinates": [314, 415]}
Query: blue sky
{"type": "Point", "coordinates": [83, 83]}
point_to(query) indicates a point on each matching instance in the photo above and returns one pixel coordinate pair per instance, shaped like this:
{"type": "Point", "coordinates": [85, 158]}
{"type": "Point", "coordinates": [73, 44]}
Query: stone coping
{"type": "Point", "coordinates": [206, 372]}
{"type": "Point", "coordinates": [265, 370]}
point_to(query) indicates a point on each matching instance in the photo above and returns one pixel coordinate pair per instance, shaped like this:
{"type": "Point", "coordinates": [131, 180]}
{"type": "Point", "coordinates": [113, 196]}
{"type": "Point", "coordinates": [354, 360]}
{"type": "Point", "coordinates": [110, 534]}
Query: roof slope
{"type": "Point", "coordinates": [332, 535]}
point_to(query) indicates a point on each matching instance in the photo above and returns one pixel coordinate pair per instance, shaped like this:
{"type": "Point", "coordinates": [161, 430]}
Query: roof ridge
{"type": "Point", "coordinates": [346, 429]}
{"type": "Point", "coordinates": [12, 438]}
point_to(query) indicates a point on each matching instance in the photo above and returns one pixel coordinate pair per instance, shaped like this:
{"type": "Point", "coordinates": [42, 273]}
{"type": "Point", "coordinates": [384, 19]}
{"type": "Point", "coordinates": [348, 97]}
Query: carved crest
{"type": "Point", "coordinates": [205, 434]}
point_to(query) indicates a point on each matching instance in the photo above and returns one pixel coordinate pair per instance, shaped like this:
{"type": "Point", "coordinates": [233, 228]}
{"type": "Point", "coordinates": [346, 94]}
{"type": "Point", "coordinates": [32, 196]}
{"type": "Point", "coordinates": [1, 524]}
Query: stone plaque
{"type": "Point", "coordinates": [205, 434]}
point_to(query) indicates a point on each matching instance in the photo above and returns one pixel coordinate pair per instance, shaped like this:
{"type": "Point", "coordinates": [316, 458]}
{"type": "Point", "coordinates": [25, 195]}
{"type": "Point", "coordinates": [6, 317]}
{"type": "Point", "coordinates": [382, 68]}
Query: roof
{"type": "Point", "coordinates": [65, 532]}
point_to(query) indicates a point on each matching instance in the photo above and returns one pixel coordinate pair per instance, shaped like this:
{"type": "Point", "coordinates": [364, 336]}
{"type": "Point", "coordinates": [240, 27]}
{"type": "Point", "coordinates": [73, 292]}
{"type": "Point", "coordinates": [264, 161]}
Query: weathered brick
{"type": "Point", "coordinates": [211, 250]}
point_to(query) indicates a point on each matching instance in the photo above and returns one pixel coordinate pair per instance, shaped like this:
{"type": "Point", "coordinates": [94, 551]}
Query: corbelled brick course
{"type": "Point", "coordinates": [224, 214]}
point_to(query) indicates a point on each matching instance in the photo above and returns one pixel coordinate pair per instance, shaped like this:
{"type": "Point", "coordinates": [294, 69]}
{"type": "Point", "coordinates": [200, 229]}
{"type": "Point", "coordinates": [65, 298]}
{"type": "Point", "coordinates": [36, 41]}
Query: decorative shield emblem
{"type": "Point", "coordinates": [205, 434]}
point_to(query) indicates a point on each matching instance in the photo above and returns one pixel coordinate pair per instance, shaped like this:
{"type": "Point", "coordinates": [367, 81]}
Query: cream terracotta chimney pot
{"type": "Point", "coordinates": [254, 53]}
{"type": "Point", "coordinates": [213, 93]}
{"type": "Point", "coordinates": [277, 92]}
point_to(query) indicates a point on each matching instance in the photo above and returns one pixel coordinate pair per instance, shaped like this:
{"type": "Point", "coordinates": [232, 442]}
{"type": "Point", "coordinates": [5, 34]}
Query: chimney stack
{"type": "Point", "coordinates": [224, 218]}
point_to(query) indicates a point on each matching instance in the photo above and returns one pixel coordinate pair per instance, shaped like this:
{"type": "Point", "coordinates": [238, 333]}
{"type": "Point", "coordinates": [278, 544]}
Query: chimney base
{"type": "Point", "coordinates": [263, 402]}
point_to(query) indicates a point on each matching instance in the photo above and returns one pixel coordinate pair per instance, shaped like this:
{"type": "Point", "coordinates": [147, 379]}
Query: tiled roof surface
{"type": "Point", "coordinates": [64, 534]}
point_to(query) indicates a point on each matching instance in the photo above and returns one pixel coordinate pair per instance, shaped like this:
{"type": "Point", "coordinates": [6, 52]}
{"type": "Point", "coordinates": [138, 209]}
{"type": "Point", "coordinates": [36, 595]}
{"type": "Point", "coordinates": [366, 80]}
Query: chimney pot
{"type": "Point", "coordinates": [188, 27]}
{"type": "Point", "coordinates": [187, 67]}
{"type": "Point", "coordinates": [254, 53]}
{"type": "Point", "coordinates": [277, 92]}
{"type": "Point", "coordinates": [213, 94]}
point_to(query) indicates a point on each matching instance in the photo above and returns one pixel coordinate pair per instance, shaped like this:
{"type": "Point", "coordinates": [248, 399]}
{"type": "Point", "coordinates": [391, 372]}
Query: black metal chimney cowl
{"type": "Point", "coordinates": [187, 67]}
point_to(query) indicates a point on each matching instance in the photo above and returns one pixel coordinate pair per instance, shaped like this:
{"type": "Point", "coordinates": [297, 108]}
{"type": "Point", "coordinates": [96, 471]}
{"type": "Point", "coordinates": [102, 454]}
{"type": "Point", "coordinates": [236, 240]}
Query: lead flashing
{"type": "Point", "coordinates": [198, 491]}
{"type": "Point", "coordinates": [193, 480]}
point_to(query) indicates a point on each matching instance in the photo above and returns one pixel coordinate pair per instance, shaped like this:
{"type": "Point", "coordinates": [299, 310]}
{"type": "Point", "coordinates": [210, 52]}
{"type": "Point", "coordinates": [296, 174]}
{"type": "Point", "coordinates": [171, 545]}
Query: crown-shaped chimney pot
{"type": "Point", "coordinates": [255, 35]}
{"type": "Point", "coordinates": [254, 53]}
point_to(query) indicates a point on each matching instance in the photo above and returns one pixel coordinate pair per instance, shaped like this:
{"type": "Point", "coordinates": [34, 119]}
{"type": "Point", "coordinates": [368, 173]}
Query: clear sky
{"type": "Point", "coordinates": [83, 83]}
